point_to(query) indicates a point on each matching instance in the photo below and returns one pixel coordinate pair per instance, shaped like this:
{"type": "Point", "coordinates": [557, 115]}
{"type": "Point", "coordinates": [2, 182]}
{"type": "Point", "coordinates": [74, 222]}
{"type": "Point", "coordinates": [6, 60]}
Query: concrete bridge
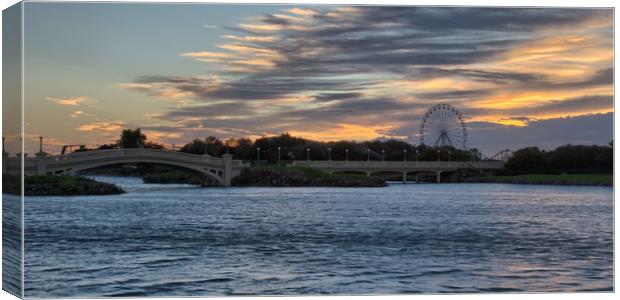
{"type": "Point", "coordinates": [221, 170]}
{"type": "Point", "coordinates": [401, 167]}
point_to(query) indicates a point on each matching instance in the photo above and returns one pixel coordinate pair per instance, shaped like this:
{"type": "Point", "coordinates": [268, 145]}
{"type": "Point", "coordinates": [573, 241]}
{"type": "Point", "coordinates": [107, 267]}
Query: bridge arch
{"type": "Point", "coordinates": [219, 170]}
{"type": "Point", "coordinates": [210, 173]}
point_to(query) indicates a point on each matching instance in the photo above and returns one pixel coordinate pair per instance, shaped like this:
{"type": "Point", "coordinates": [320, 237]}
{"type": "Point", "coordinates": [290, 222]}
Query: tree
{"type": "Point", "coordinates": [197, 146]}
{"type": "Point", "coordinates": [132, 138]}
{"type": "Point", "coordinates": [527, 160]}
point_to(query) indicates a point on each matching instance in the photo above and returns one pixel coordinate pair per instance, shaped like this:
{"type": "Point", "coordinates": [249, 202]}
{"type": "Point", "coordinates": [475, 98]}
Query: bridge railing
{"type": "Point", "coordinates": [399, 164]}
{"type": "Point", "coordinates": [115, 153]}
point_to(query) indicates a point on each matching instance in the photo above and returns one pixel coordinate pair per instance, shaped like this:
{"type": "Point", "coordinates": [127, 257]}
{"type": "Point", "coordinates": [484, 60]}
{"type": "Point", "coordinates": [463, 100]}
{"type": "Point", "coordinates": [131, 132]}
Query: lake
{"type": "Point", "coordinates": [179, 240]}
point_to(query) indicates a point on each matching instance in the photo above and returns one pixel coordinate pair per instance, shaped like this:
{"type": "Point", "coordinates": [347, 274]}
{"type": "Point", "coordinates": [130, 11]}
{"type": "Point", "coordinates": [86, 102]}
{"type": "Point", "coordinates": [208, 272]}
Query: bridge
{"type": "Point", "coordinates": [220, 170]}
{"type": "Point", "coordinates": [400, 167]}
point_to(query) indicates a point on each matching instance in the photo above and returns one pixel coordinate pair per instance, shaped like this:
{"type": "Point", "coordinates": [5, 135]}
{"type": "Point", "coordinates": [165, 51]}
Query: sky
{"type": "Point", "coordinates": [521, 77]}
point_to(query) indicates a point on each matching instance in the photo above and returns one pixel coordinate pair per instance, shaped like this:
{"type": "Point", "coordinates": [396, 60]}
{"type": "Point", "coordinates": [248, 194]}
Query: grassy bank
{"type": "Point", "coordinates": [48, 185]}
{"type": "Point", "coordinates": [298, 176]}
{"type": "Point", "coordinates": [563, 179]}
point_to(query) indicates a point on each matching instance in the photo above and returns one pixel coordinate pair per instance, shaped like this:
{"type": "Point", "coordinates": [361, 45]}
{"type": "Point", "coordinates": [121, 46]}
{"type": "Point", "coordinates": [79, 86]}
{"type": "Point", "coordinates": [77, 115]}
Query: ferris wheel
{"type": "Point", "coordinates": [443, 125]}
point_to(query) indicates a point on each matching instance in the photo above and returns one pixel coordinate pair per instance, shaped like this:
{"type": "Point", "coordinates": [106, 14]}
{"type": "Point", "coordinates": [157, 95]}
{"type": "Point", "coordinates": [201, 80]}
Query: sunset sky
{"type": "Point", "coordinates": [522, 77]}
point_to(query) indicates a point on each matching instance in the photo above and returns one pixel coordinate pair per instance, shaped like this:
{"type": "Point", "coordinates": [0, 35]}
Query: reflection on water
{"type": "Point", "coordinates": [181, 240]}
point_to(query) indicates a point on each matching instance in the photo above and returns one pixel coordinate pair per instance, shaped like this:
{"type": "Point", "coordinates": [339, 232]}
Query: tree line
{"type": "Point", "coordinates": [568, 159]}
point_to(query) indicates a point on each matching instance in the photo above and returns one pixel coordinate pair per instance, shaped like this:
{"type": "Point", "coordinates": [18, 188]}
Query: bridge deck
{"type": "Point", "coordinates": [401, 165]}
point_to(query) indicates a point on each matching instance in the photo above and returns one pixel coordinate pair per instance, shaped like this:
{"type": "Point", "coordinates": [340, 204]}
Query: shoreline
{"type": "Point", "coordinates": [83, 185]}
{"type": "Point", "coordinates": [546, 179]}
{"type": "Point", "coordinates": [51, 185]}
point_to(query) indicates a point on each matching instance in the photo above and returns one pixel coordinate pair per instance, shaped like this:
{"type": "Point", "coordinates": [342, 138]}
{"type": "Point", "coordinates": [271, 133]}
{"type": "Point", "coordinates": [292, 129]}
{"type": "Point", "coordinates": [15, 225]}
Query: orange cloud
{"type": "Point", "coordinates": [74, 101]}
{"type": "Point", "coordinates": [302, 11]}
{"type": "Point", "coordinates": [103, 126]}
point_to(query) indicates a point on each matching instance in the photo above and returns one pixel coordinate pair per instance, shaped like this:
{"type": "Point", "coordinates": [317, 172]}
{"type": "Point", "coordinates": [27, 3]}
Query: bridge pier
{"type": "Point", "coordinates": [438, 176]}
{"type": "Point", "coordinates": [227, 174]}
{"type": "Point", "coordinates": [404, 177]}
{"type": "Point", "coordinates": [41, 158]}
{"type": "Point", "coordinates": [5, 162]}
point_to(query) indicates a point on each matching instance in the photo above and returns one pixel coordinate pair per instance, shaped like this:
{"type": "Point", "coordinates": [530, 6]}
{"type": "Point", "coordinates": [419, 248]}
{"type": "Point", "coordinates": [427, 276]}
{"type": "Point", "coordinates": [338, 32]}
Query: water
{"type": "Point", "coordinates": [180, 240]}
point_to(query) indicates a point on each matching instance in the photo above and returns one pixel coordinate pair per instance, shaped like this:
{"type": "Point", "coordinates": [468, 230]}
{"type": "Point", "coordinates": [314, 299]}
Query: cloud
{"type": "Point", "coordinates": [569, 106]}
{"type": "Point", "coordinates": [324, 97]}
{"type": "Point", "coordinates": [341, 69]}
{"type": "Point", "coordinates": [73, 101]}
{"type": "Point", "coordinates": [108, 126]}
{"type": "Point", "coordinates": [550, 133]}
{"type": "Point", "coordinates": [76, 113]}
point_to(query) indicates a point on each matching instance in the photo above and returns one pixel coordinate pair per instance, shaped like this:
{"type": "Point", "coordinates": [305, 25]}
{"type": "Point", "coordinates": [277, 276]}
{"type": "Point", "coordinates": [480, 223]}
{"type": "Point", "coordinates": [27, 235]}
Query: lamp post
{"type": "Point", "coordinates": [329, 154]}
{"type": "Point", "coordinates": [383, 155]}
{"type": "Point", "coordinates": [258, 157]}
{"type": "Point", "coordinates": [449, 155]}
{"type": "Point", "coordinates": [417, 152]}
{"type": "Point", "coordinates": [346, 154]}
{"type": "Point", "coordinates": [438, 154]}
{"type": "Point", "coordinates": [308, 154]}
{"type": "Point", "coordinates": [279, 148]}
{"type": "Point", "coordinates": [40, 144]}
{"type": "Point", "coordinates": [368, 152]}
{"type": "Point", "coordinates": [404, 154]}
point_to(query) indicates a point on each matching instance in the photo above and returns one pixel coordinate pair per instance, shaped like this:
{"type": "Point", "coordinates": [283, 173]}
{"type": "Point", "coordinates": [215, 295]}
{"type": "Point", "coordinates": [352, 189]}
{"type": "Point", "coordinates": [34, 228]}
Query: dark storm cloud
{"type": "Point", "coordinates": [453, 95]}
{"type": "Point", "coordinates": [476, 75]}
{"type": "Point", "coordinates": [326, 97]}
{"type": "Point", "coordinates": [227, 109]}
{"type": "Point", "coordinates": [249, 88]}
{"type": "Point", "coordinates": [479, 18]}
{"type": "Point", "coordinates": [288, 118]}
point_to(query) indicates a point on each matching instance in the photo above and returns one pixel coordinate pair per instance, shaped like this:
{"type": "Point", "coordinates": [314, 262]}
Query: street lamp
{"type": "Point", "coordinates": [308, 154]}
{"type": "Point", "coordinates": [346, 154]}
{"type": "Point", "coordinates": [368, 152]}
{"type": "Point", "coordinates": [438, 154]}
{"type": "Point", "coordinates": [279, 148]}
{"type": "Point", "coordinates": [383, 155]}
{"type": "Point", "coordinates": [258, 157]}
{"type": "Point", "coordinates": [449, 154]}
{"type": "Point", "coordinates": [404, 154]}
{"type": "Point", "coordinates": [329, 153]}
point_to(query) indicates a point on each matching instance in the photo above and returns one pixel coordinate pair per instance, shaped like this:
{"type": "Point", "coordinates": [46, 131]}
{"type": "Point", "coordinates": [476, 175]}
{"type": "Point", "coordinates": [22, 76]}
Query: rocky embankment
{"type": "Point", "coordinates": [59, 186]}
{"type": "Point", "coordinates": [302, 178]}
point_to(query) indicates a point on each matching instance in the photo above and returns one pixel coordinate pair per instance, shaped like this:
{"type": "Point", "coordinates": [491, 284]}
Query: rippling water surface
{"type": "Point", "coordinates": [161, 240]}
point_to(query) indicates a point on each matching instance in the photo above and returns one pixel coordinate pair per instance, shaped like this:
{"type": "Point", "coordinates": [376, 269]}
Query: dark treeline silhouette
{"type": "Point", "coordinates": [129, 138]}
{"type": "Point", "coordinates": [569, 159]}
{"type": "Point", "coordinates": [296, 148]}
